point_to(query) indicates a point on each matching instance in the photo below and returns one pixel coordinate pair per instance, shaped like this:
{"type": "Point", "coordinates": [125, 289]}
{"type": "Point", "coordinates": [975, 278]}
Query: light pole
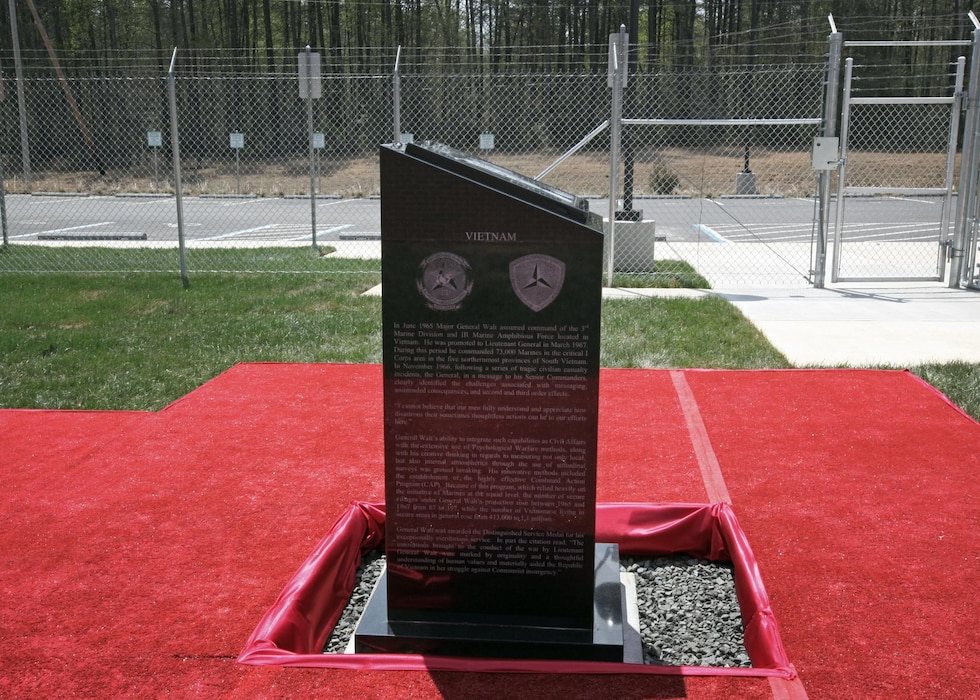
{"type": "Point", "coordinates": [628, 213]}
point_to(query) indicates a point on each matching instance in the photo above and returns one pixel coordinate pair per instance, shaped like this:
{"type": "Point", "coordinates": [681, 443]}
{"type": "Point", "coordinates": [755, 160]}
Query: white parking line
{"type": "Point", "coordinates": [913, 230]}
{"type": "Point", "coordinates": [236, 233]}
{"type": "Point", "coordinates": [63, 230]}
{"type": "Point", "coordinates": [247, 200]}
{"type": "Point", "coordinates": [711, 234]}
{"type": "Point", "coordinates": [917, 201]}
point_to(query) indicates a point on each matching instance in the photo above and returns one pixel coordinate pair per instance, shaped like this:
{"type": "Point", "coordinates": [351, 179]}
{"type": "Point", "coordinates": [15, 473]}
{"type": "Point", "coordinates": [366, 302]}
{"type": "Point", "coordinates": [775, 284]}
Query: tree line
{"type": "Point", "coordinates": [549, 35]}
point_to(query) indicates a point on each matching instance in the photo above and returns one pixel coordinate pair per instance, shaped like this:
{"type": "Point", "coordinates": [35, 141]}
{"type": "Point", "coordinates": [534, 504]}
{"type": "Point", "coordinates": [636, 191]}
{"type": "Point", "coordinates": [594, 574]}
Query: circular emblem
{"type": "Point", "coordinates": [444, 281]}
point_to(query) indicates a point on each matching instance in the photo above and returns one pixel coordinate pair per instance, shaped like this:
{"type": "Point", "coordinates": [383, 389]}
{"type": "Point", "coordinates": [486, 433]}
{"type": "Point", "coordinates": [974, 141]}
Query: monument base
{"type": "Point", "coordinates": [376, 633]}
{"type": "Point", "coordinates": [634, 246]}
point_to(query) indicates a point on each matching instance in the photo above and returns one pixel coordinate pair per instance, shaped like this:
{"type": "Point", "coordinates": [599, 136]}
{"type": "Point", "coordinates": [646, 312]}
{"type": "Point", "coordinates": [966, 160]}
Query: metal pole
{"type": "Point", "coordinates": [616, 54]}
{"type": "Point", "coordinates": [629, 102]}
{"type": "Point", "coordinates": [25, 149]}
{"type": "Point", "coordinates": [574, 149]}
{"type": "Point", "coordinates": [178, 185]}
{"type": "Point", "coordinates": [826, 176]}
{"type": "Point", "coordinates": [966, 202]}
{"type": "Point", "coordinates": [396, 99]}
{"type": "Point", "coordinates": [842, 167]}
{"type": "Point", "coordinates": [748, 90]}
{"type": "Point", "coordinates": [309, 127]}
{"type": "Point", "coordinates": [3, 207]}
{"type": "Point", "coordinates": [946, 242]}
{"type": "Point", "coordinates": [3, 196]}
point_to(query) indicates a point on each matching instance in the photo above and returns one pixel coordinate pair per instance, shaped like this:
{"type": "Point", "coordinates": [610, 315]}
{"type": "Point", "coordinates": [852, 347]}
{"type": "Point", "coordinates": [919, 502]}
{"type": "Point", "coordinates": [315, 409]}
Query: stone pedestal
{"type": "Point", "coordinates": [518, 639]}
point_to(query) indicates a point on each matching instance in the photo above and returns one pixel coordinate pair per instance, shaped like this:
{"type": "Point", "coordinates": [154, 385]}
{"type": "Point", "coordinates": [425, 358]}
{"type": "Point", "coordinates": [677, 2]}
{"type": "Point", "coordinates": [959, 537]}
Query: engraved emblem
{"type": "Point", "coordinates": [537, 279]}
{"type": "Point", "coordinates": [444, 281]}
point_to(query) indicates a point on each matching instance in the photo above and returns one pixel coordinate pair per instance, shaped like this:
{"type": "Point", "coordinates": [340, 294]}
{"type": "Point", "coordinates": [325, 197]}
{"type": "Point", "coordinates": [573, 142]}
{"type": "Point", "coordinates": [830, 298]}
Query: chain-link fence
{"type": "Point", "coordinates": [895, 243]}
{"type": "Point", "coordinates": [898, 218]}
{"type": "Point", "coordinates": [717, 160]}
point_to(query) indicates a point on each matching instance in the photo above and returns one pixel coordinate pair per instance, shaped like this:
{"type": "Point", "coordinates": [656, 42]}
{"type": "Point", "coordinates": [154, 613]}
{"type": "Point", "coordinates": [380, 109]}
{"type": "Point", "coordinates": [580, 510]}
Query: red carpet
{"type": "Point", "coordinates": [140, 550]}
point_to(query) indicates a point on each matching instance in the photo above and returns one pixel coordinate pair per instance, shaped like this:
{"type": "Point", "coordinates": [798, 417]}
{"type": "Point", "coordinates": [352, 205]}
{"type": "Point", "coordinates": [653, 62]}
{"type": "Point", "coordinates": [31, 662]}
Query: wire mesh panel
{"type": "Point", "coordinates": [733, 225]}
{"type": "Point", "coordinates": [881, 137]}
{"type": "Point", "coordinates": [885, 232]}
{"type": "Point", "coordinates": [94, 184]}
{"type": "Point", "coordinates": [263, 191]}
{"type": "Point", "coordinates": [896, 192]}
{"type": "Point", "coordinates": [721, 170]}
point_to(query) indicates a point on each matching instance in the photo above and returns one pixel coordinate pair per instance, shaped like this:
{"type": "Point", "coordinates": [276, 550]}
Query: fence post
{"type": "Point", "coordinates": [309, 136]}
{"type": "Point", "coordinates": [178, 185]}
{"type": "Point", "coordinates": [396, 99]}
{"type": "Point", "coordinates": [617, 67]}
{"type": "Point", "coordinates": [966, 203]}
{"type": "Point", "coordinates": [3, 207]}
{"type": "Point", "coordinates": [3, 196]}
{"type": "Point", "coordinates": [829, 130]}
{"type": "Point", "coordinates": [25, 148]}
{"type": "Point", "coordinates": [946, 240]}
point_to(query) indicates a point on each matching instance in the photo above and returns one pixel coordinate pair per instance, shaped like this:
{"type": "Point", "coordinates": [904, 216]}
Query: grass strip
{"type": "Point", "coordinates": [138, 341]}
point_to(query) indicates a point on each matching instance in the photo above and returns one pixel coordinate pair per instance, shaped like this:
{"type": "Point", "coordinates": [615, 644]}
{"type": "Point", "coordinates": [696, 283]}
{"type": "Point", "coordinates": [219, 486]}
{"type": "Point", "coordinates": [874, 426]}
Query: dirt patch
{"type": "Point", "coordinates": [706, 173]}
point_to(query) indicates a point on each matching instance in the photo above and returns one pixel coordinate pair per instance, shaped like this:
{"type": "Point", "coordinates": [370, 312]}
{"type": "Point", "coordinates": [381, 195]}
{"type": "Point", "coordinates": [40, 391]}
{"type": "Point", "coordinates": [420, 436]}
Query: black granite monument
{"type": "Point", "coordinates": [491, 306]}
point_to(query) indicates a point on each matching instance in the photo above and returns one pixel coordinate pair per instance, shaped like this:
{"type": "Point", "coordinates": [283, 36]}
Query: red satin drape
{"type": "Point", "coordinates": [294, 630]}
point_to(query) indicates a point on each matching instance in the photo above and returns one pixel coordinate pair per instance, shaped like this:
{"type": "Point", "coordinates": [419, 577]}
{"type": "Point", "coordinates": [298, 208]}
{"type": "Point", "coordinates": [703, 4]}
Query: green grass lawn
{"type": "Point", "coordinates": [139, 340]}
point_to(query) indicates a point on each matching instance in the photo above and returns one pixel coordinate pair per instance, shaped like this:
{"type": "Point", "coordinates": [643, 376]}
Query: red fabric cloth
{"type": "Point", "coordinates": [294, 631]}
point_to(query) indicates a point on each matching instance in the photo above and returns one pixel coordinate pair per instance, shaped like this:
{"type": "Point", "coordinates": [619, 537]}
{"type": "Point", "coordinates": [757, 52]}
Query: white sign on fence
{"type": "Point", "coordinates": [236, 139]}
{"type": "Point", "coordinates": [309, 75]}
{"type": "Point", "coordinates": [319, 140]}
{"type": "Point", "coordinates": [154, 139]}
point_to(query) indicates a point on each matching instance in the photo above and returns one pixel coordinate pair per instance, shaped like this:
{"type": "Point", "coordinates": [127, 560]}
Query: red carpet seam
{"type": "Point", "coordinates": [717, 490]}
{"type": "Point", "coordinates": [783, 689]}
{"type": "Point", "coordinates": [714, 482]}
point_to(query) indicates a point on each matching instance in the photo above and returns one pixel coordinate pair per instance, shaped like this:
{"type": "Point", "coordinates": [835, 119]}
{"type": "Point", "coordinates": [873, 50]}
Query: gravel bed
{"type": "Point", "coordinates": [689, 615]}
{"type": "Point", "coordinates": [368, 573]}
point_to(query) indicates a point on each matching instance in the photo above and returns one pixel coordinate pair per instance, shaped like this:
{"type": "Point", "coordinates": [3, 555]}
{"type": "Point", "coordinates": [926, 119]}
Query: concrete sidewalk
{"type": "Point", "coordinates": [898, 324]}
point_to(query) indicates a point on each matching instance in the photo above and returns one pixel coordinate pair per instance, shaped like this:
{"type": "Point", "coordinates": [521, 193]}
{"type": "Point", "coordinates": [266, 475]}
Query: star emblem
{"type": "Point", "coordinates": [537, 279]}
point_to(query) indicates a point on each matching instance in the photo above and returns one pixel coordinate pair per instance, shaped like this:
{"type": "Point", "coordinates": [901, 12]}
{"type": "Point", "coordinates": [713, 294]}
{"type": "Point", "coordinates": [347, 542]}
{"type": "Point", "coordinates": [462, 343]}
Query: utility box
{"type": "Point", "coordinates": [745, 183]}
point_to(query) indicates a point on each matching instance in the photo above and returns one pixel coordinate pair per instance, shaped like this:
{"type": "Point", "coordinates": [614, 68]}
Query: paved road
{"type": "Point", "coordinates": [242, 219]}
{"type": "Point", "coordinates": [254, 220]}
{"type": "Point", "coordinates": [787, 220]}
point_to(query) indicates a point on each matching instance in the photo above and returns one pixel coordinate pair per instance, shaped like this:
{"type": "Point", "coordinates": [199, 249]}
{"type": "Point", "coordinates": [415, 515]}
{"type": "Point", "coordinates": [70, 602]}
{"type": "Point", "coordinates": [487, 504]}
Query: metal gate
{"type": "Point", "coordinates": [896, 186]}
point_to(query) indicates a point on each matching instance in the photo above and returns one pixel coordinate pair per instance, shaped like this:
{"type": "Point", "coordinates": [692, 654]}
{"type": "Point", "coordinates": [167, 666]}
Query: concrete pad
{"type": "Point", "coordinates": [651, 292]}
{"type": "Point", "coordinates": [894, 324]}
{"type": "Point", "coordinates": [356, 250]}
